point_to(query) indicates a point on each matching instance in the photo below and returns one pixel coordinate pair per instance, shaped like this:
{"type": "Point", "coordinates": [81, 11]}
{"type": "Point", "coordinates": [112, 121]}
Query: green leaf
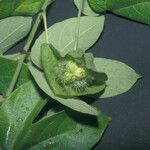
{"type": "Point", "coordinates": [120, 76]}
{"type": "Point", "coordinates": [72, 103]}
{"type": "Point", "coordinates": [22, 7]}
{"type": "Point", "coordinates": [16, 115]}
{"type": "Point", "coordinates": [12, 30]}
{"type": "Point", "coordinates": [86, 8]}
{"type": "Point", "coordinates": [7, 68]}
{"type": "Point", "coordinates": [66, 130]}
{"type": "Point", "coordinates": [71, 76]}
{"type": "Point", "coordinates": [137, 10]}
{"type": "Point", "coordinates": [64, 39]}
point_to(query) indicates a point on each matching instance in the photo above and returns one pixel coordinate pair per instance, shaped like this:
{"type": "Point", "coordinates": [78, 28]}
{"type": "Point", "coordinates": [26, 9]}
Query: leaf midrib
{"type": "Point", "coordinates": [124, 77]}
{"type": "Point", "coordinates": [9, 35]}
{"type": "Point", "coordinates": [79, 37]}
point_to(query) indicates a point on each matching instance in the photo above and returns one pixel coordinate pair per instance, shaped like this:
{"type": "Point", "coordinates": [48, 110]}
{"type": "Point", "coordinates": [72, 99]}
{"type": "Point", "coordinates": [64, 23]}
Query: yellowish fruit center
{"type": "Point", "coordinates": [73, 72]}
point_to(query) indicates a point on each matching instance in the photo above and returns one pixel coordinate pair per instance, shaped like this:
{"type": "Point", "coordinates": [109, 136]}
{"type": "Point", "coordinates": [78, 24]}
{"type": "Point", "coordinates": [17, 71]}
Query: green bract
{"type": "Point", "coordinates": [75, 103]}
{"type": "Point", "coordinates": [73, 74]}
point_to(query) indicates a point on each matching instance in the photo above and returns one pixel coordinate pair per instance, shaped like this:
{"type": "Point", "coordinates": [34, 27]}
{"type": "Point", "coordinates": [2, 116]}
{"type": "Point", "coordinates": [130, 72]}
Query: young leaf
{"type": "Point", "coordinates": [22, 7]}
{"type": "Point", "coordinates": [73, 103]}
{"type": "Point", "coordinates": [137, 10]}
{"type": "Point", "coordinates": [12, 30]}
{"type": "Point", "coordinates": [7, 68]}
{"type": "Point", "coordinates": [120, 76]}
{"type": "Point", "coordinates": [64, 39]}
{"type": "Point", "coordinates": [17, 130]}
{"type": "Point", "coordinates": [71, 75]}
{"type": "Point", "coordinates": [86, 8]}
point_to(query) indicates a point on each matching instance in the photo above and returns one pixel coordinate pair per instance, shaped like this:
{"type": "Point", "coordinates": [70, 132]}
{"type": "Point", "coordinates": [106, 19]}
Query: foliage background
{"type": "Point", "coordinates": [126, 41]}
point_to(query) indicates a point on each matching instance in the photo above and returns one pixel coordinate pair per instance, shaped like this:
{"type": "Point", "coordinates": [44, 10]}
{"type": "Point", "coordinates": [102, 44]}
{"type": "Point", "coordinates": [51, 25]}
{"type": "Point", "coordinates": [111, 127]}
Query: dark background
{"type": "Point", "coordinates": [129, 42]}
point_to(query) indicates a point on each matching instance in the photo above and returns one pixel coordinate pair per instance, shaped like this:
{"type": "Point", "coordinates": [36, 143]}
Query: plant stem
{"type": "Point", "coordinates": [77, 31]}
{"type": "Point", "coordinates": [45, 27]}
{"type": "Point", "coordinates": [23, 55]}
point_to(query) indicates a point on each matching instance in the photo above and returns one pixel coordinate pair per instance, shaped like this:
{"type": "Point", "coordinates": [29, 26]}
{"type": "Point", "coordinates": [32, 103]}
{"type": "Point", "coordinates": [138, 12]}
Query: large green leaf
{"type": "Point", "coordinates": [12, 30]}
{"type": "Point", "coordinates": [120, 76]}
{"type": "Point", "coordinates": [73, 103]}
{"type": "Point", "coordinates": [65, 130]}
{"type": "Point", "coordinates": [137, 10]}
{"type": "Point", "coordinates": [71, 75]}
{"type": "Point", "coordinates": [16, 115]}
{"type": "Point", "coordinates": [86, 9]}
{"type": "Point", "coordinates": [21, 7]}
{"type": "Point", "coordinates": [7, 70]}
{"type": "Point", "coordinates": [62, 36]}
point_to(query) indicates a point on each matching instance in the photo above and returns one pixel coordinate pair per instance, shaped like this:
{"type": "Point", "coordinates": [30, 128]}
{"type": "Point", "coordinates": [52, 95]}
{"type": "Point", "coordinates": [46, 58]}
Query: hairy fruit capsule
{"type": "Point", "coordinates": [73, 74]}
